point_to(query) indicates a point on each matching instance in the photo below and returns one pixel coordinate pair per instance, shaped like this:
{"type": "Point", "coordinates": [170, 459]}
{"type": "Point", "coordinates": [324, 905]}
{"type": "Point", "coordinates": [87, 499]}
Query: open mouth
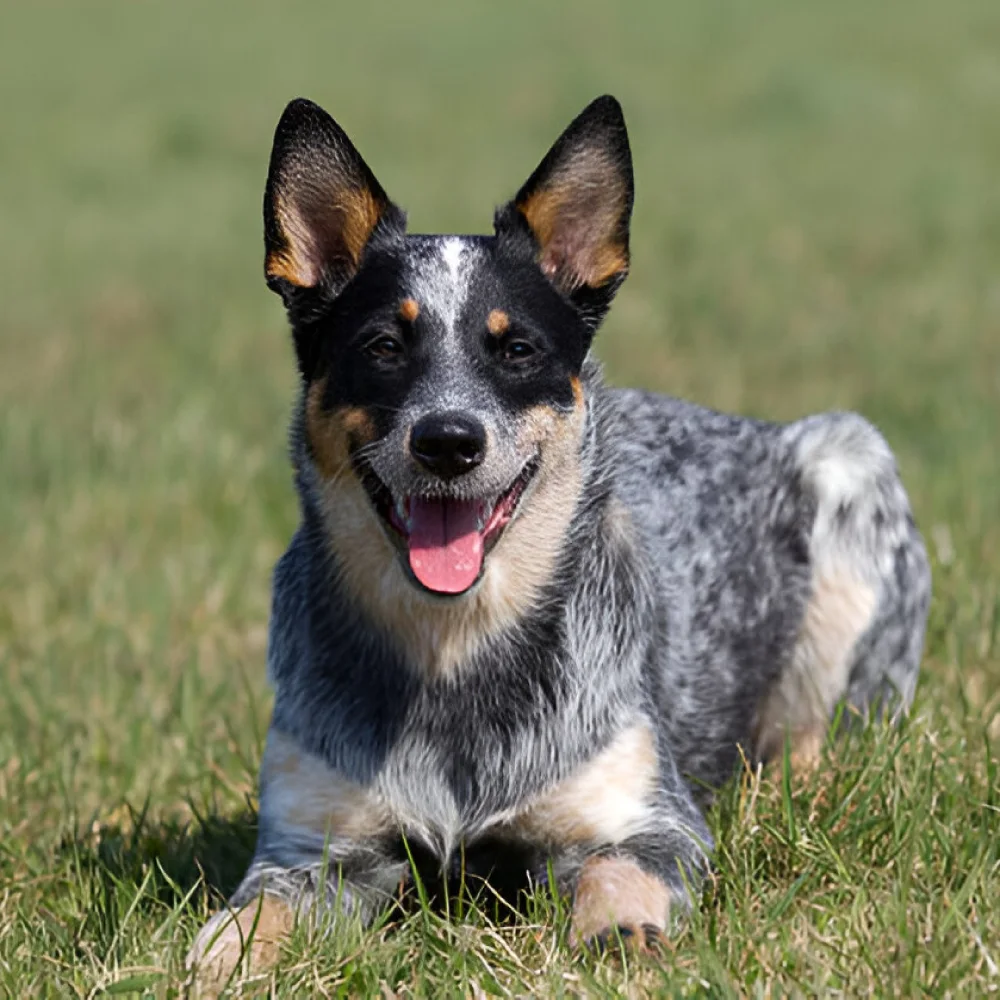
{"type": "Point", "coordinates": [446, 540]}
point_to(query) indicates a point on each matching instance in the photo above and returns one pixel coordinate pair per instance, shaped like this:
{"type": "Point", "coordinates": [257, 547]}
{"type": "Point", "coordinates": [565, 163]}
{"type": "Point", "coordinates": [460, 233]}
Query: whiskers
{"type": "Point", "coordinates": [348, 465]}
{"type": "Point", "coordinates": [386, 407]}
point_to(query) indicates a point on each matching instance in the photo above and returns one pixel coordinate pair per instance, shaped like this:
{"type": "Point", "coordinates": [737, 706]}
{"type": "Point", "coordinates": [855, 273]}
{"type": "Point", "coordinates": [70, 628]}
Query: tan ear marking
{"type": "Point", "coordinates": [576, 220]}
{"type": "Point", "coordinates": [409, 310]}
{"type": "Point", "coordinates": [361, 214]}
{"type": "Point", "coordinates": [292, 262]}
{"type": "Point", "coordinates": [340, 224]}
{"type": "Point", "coordinates": [497, 322]}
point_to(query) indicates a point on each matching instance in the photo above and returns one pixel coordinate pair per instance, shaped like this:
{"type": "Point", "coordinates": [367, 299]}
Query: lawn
{"type": "Point", "coordinates": [817, 226]}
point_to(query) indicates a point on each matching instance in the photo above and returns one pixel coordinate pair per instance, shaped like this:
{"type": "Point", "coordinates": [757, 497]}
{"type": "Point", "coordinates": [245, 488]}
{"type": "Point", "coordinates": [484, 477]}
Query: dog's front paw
{"type": "Point", "coordinates": [233, 945]}
{"type": "Point", "coordinates": [646, 938]}
{"type": "Point", "coordinates": [616, 900]}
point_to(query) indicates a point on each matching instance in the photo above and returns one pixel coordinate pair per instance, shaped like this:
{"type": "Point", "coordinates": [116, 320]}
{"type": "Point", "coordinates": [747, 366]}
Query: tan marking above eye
{"type": "Point", "coordinates": [409, 310]}
{"type": "Point", "coordinates": [497, 322]}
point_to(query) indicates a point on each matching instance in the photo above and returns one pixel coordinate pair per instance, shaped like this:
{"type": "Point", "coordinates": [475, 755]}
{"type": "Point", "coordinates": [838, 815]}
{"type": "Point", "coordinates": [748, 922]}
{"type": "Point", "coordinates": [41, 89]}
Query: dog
{"type": "Point", "coordinates": [527, 622]}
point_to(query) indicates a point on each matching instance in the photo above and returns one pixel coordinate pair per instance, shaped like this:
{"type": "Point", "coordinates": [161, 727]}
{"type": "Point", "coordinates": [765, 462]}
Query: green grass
{"type": "Point", "coordinates": [817, 226]}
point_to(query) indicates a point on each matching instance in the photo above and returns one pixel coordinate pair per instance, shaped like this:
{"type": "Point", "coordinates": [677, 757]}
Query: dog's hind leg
{"type": "Point", "coordinates": [862, 631]}
{"type": "Point", "coordinates": [887, 657]}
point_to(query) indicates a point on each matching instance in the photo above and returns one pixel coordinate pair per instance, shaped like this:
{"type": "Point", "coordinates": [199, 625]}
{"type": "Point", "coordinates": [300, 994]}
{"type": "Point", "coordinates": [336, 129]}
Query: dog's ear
{"type": "Point", "coordinates": [576, 207]}
{"type": "Point", "coordinates": [322, 205]}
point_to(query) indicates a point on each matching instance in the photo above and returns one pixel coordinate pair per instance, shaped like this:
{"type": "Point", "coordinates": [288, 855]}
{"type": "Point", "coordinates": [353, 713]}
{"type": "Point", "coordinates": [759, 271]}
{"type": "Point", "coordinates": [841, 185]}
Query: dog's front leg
{"type": "Point", "coordinates": [246, 938]}
{"type": "Point", "coordinates": [320, 850]}
{"type": "Point", "coordinates": [240, 940]}
{"type": "Point", "coordinates": [634, 844]}
{"type": "Point", "coordinates": [615, 896]}
{"type": "Point", "coordinates": [630, 889]}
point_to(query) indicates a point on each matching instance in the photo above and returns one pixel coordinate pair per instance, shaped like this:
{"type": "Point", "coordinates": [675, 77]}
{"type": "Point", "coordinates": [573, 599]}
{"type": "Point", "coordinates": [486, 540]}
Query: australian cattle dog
{"type": "Point", "coordinates": [527, 621]}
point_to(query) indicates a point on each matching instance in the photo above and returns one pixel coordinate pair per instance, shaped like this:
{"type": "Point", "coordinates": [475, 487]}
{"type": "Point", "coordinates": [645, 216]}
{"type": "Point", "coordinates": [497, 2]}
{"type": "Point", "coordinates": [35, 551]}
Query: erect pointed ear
{"type": "Point", "coordinates": [322, 204]}
{"type": "Point", "coordinates": [577, 205]}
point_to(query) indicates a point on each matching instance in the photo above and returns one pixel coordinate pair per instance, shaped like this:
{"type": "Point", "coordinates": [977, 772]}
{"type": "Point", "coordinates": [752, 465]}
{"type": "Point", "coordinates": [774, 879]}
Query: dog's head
{"type": "Point", "coordinates": [441, 374]}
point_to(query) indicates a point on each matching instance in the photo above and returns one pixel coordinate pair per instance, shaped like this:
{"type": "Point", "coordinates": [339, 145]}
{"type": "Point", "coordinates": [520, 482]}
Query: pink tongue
{"type": "Point", "coordinates": [446, 547]}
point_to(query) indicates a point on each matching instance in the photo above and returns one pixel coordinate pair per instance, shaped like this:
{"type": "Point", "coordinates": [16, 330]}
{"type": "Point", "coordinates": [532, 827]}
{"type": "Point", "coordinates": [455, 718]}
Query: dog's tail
{"type": "Point", "coordinates": [871, 575]}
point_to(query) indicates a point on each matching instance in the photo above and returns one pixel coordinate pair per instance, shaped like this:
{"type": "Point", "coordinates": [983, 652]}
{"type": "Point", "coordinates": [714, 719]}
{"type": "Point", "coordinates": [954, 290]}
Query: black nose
{"type": "Point", "coordinates": [449, 444]}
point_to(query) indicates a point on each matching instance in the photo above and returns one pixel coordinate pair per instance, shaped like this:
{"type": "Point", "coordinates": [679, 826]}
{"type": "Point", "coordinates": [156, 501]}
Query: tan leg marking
{"type": "Point", "coordinates": [301, 791]}
{"type": "Point", "coordinates": [608, 799]}
{"type": "Point", "coordinates": [616, 893]}
{"type": "Point", "coordinates": [224, 949]}
{"type": "Point", "coordinates": [839, 611]}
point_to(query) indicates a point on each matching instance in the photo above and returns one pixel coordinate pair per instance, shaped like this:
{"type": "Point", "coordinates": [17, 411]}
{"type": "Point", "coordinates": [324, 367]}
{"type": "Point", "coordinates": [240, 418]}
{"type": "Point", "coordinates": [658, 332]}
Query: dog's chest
{"type": "Point", "coordinates": [489, 825]}
{"type": "Point", "coordinates": [444, 807]}
{"type": "Point", "coordinates": [443, 796]}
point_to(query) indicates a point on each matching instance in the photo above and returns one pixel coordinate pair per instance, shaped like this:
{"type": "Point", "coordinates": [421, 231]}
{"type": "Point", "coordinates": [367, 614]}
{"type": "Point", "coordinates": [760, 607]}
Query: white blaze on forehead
{"type": "Point", "coordinates": [451, 254]}
{"type": "Point", "coordinates": [441, 279]}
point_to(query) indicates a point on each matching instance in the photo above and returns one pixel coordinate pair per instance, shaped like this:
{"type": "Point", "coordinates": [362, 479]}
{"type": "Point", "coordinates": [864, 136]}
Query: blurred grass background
{"type": "Point", "coordinates": [817, 226]}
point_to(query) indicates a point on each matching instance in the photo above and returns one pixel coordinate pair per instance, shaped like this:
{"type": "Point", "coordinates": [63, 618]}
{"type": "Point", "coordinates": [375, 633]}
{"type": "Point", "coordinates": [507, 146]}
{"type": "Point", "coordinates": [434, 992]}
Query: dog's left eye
{"type": "Point", "coordinates": [385, 348]}
{"type": "Point", "coordinates": [518, 350]}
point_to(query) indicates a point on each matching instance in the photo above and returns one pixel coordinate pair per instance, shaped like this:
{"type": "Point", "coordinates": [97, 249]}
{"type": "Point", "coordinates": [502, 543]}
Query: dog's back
{"type": "Point", "coordinates": [790, 570]}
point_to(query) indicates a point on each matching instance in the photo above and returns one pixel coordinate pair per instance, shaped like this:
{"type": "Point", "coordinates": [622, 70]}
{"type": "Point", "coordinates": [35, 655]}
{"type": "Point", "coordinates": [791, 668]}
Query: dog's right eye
{"type": "Point", "coordinates": [385, 348]}
{"type": "Point", "coordinates": [517, 351]}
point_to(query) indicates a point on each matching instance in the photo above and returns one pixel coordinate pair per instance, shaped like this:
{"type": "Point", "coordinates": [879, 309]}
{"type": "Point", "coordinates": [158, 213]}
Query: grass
{"type": "Point", "coordinates": [817, 226]}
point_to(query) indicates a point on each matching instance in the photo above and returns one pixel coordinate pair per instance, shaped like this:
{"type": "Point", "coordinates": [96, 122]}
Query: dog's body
{"type": "Point", "coordinates": [527, 621]}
